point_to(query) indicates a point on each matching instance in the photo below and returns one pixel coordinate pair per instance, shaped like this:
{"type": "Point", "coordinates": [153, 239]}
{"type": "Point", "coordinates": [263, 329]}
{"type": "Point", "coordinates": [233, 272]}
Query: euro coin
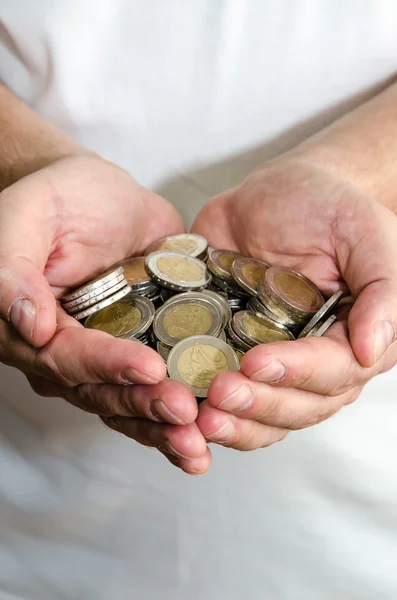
{"type": "Point", "coordinates": [95, 299]}
{"type": "Point", "coordinates": [219, 302]}
{"type": "Point", "coordinates": [290, 295]}
{"type": "Point", "coordinates": [236, 340]}
{"type": "Point", "coordinates": [322, 314]}
{"type": "Point", "coordinates": [124, 319]}
{"type": "Point", "coordinates": [163, 350]}
{"type": "Point", "coordinates": [321, 327]}
{"type": "Point", "coordinates": [102, 304]}
{"type": "Point", "coordinates": [135, 272]}
{"type": "Point", "coordinates": [68, 306]}
{"type": "Point", "coordinates": [93, 284]}
{"type": "Point", "coordinates": [177, 271]}
{"type": "Point", "coordinates": [220, 263]}
{"type": "Point", "coordinates": [231, 289]}
{"type": "Point", "coordinates": [255, 306]}
{"type": "Point", "coordinates": [254, 329]}
{"type": "Point", "coordinates": [195, 361]}
{"type": "Point", "coordinates": [185, 243]}
{"type": "Point", "coordinates": [248, 272]}
{"type": "Point", "coordinates": [183, 317]}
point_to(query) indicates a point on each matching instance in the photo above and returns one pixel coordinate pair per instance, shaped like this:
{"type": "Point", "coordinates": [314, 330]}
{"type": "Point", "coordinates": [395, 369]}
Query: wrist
{"type": "Point", "coordinates": [28, 142]}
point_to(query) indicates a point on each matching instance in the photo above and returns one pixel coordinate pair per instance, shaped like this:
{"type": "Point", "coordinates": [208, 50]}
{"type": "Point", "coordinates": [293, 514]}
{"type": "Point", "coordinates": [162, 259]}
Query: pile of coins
{"type": "Point", "coordinates": [201, 308]}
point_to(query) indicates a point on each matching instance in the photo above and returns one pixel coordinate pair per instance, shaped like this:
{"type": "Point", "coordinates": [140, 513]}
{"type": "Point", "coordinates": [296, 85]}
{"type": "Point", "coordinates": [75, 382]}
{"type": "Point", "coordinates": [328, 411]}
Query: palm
{"type": "Point", "coordinates": [98, 215]}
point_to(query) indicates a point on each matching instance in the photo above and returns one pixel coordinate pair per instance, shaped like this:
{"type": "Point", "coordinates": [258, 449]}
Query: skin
{"type": "Point", "coordinates": [304, 210]}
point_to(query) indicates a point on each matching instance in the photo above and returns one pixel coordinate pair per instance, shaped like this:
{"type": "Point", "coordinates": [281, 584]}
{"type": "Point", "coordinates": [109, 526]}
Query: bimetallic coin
{"type": "Point", "coordinates": [102, 304]}
{"type": "Point", "coordinates": [237, 341]}
{"type": "Point", "coordinates": [227, 286]}
{"type": "Point", "coordinates": [248, 272]}
{"type": "Point", "coordinates": [289, 294]}
{"type": "Point", "coordinates": [93, 294]}
{"type": "Point", "coordinates": [195, 362]}
{"type": "Point", "coordinates": [185, 243]}
{"type": "Point", "coordinates": [182, 317]}
{"type": "Point", "coordinates": [321, 327]}
{"type": "Point", "coordinates": [130, 318]}
{"type": "Point", "coordinates": [135, 272]}
{"type": "Point", "coordinates": [254, 329]}
{"type": "Point", "coordinates": [163, 350]}
{"type": "Point", "coordinates": [94, 284]}
{"type": "Point", "coordinates": [322, 314]}
{"type": "Point", "coordinates": [257, 307]}
{"type": "Point", "coordinates": [240, 353]}
{"type": "Point", "coordinates": [176, 271]}
{"type": "Point", "coordinates": [220, 263]}
{"type": "Point", "coordinates": [216, 299]}
{"type": "Point", "coordinates": [98, 297]}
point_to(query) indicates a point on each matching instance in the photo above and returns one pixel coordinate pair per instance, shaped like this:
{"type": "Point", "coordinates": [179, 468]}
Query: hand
{"type": "Point", "coordinates": [58, 227]}
{"type": "Point", "coordinates": [298, 215]}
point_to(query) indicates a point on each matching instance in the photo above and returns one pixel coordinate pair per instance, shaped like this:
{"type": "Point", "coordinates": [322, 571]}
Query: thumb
{"type": "Point", "coordinates": [26, 299]}
{"type": "Point", "coordinates": [371, 274]}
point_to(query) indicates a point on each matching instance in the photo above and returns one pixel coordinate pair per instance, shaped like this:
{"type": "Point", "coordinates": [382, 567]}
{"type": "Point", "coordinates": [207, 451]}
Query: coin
{"type": "Point", "coordinates": [102, 304]}
{"type": "Point", "coordinates": [94, 284]}
{"type": "Point", "coordinates": [237, 341]}
{"type": "Point", "coordinates": [289, 294]}
{"type": "Point", "coordinates": [195, 361]}
{"type": "Point", "coordinates": [177, 271]}
{"type": "Point", "coordinates": [256, 329]}
{"type": "Point", "coordinates": [185, 243]}
{"type": "Point", "coordinates": [248, 272]}
{"type": "Point", "coordinates": [321, 327]}
{"type": "Point", "coordinates": [95, 299]}
{"type": "Point", "coordinates": [220, 262]}
{"type": "Point", "coordinates": [231, 288]}
{"type": "Point", "coordinates": [182, 317]}
{"type": "Point", "coordinates": [163, 350]}
{"type": "Point", "coordinates": [322, 314]}
{"type": "Point", "coordinates": [135, 272]}
{"type": "Point", "coordinates": [124, 319]}
{"type": "Point", "coordinates": [222, 335]}
{"type": "Point", "coordinates": [220, 303]}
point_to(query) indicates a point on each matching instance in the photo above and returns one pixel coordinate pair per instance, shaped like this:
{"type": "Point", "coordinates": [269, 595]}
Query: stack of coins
{"type": "Point", "coordinates": [97, 294]}
{"type": "Point", "coordinates": [201, 317]}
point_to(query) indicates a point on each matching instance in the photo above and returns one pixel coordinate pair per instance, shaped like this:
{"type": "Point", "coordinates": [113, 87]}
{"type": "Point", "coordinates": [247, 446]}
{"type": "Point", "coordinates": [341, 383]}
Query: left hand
{"type": "Point", "coordinates": [295, 214]}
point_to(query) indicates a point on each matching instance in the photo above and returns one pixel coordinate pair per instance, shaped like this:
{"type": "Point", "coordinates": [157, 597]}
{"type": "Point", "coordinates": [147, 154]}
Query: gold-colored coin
{"type": "Point", "coordinates": [257, 328]}
{"type": "Point", "coordinates": [253, 273]}
{"type": "Point", "coordinates": [134, 270]}
{"type": "Point", "coordinates": [117, 319]}
{"type": "Point", "coordinates": [296, 289]}
{"type": "Point", "coordinates": [220, 263]}
{"type": "Point", "coordinates": [187, 320]}
{"type": "Point", "coordinates": [185, 243]}
{"type": "Point", "coordinates": [185, 246]}
{"type": "Point", "coordinates": [199, 364]}
{"type": "Point", "coordinates": [226, 259]}
{"type": "Point", "coordinates": [180, 268]}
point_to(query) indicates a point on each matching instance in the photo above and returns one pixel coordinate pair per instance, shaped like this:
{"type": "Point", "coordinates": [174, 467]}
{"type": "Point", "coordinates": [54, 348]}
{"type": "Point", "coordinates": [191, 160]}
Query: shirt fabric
{"type": "Point", "coordinates": [190, 96]}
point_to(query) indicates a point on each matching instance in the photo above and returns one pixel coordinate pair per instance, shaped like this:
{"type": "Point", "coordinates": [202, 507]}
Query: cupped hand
{"type": "Point", "coordinates": [58, 227]}
{"type": "Point", "coordinates": [295, 214]}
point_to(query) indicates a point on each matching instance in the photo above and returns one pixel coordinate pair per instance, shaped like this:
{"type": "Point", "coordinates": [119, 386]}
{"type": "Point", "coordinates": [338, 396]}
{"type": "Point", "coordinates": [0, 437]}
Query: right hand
{"type": "Point", "coordinates": [59, 227]}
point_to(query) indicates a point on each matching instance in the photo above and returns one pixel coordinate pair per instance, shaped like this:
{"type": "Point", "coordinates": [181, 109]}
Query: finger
{"type": "Point", "coordinates": [194, 466]}
{"type": "Point", "coordinates": [287, 408]}
{"type": "Point", "coordinates": [366, 248]}
{"type": "Point", "coordinates": [242, 434]}
{"type": "Point", "coordinates": [26, 299]}
{"type": "Point", "coordinates": [184, 441]}
{"type": "Point", "coordinates": [324, 365]}
{"type": "Point", "coordinates": [77, 355]}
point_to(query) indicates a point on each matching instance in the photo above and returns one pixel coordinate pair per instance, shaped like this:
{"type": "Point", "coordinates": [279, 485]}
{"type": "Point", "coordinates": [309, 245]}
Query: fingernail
{"type": "Point", "coordinates": [384, 336]}
{"type": "Point", "coordinates": [22, 317]}
{"type": "Point", "coordinates": [225, 433]}
{"type": "Point", "coordinates": [161, 412]}
{"type": "Point", "coordinates": [239, 400]}
{"type": "Point", "coordinates": [132, 376]}
{"type": "Point", "coordinates": [168, 448]}
{"type": "Point", "coordinates": [270, 374]}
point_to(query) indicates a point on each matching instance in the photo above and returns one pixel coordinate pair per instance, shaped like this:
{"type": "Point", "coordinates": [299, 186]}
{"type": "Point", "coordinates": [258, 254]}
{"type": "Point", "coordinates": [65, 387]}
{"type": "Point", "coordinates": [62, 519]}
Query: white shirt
{"type": "Point", "coordinates": [190, 96]}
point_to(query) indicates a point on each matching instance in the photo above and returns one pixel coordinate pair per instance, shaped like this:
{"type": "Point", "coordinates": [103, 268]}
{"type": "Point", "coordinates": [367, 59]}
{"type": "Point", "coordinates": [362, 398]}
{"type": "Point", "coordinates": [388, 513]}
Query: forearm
{"type": "Point", "coordinates": [362, 147]}
{"type": "Point", "coordinates": [27, 142]}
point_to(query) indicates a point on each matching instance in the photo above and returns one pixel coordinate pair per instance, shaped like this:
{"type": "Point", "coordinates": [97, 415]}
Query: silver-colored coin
{"type": "Point", "coordinates": [258, 308]}
{"type": "Point", "coordinates": [102, 304]}
{"type": "Point", "coordinates": [218, 300]}
{"type": "Point", "coordinates": [98, 297]}
{"type": "Point", "coordinates": [177, 271]}
{"type": "Point", "coordinates": [182, 317]}
{"type": "Point", "coordinates": [190, 244]}
{"type": "Point", "coordinates": [128, 318]}
{"type": "Point", "coordinates": [237, 341]}
{"type": "Point", "coordinates": [222, 336]}
{"type": "Point", "coordinates": [289, 295]}
{"type": "Point", "coordinates": [322, 327]}
{"type": "Point", "coordinates": [256, 329]}
{"type": "Point", "coordinates": [195, 362]}
{"type": "Point", "coordinates": [248, 272]}
{"type": "Point", "coordinates": [93, 294]}
{"type": "Point", "coordinates": [322, 314]}
{"type": "Point", "coordinates": [163, 350]}
{"type": "Point", "coordinates": [94, 284]}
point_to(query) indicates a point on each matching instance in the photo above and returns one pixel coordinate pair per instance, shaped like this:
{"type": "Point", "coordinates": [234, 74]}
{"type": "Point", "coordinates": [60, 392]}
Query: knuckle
{"type": "Point", "coordinates": [50, 368]}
